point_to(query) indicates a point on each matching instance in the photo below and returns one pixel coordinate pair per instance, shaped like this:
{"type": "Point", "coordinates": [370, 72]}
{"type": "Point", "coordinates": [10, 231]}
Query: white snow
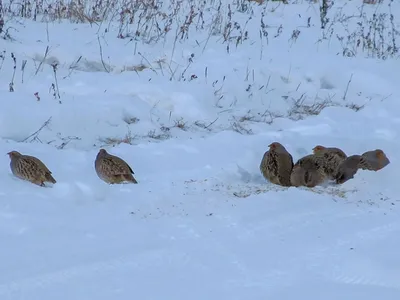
{"type": "Point", "coordinates": [202, 223]}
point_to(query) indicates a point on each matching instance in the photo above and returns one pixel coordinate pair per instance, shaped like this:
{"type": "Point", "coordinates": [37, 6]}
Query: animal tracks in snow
{"type": "Point", "coordinates": [345, 269]}
{"type": "Point", "coordinates": [43, 281]}
{"type": "Point", "coordinates": [373, 276]}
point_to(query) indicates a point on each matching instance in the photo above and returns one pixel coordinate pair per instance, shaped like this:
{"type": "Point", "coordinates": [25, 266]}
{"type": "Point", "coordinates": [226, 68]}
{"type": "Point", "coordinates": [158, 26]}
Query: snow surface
{"type": "Point", "coordinates": [202, 223]}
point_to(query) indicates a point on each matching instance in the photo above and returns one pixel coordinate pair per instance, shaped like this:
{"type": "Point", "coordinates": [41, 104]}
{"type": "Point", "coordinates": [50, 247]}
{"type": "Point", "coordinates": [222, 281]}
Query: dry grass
{"type": "Point", "coordinates": [303, 107]}
{"type": "Point", "coordinates": [160, 136]}
{"type": "Point", "coordinates": [131, 120]}
{"type": "Point", "coordinates": [355, 107]}
{"type": "Point", "coordinates": [135, 68]}
{"type": "Point", "coordinates": [128, 138]}
{"type": "Point", "coordinates": [180, 124]}
{"type": "Point", "coordinates": [151, 21]}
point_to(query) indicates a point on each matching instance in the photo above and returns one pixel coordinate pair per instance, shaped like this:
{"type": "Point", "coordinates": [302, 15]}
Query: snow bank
{"type": "Point", "coordinates": [193, 118]}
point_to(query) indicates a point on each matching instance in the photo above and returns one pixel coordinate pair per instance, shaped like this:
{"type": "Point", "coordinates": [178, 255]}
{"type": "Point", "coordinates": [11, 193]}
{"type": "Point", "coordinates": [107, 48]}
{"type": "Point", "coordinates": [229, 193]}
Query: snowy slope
{"type": "Point", "coordinates": [202, 223]}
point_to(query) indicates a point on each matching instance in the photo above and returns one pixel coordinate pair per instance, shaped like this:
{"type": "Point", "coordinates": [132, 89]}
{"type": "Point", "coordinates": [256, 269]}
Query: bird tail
{"type": "Point", "coordinates": [50, 178]}
{"type": "Point", "coordinates": [130, 178]}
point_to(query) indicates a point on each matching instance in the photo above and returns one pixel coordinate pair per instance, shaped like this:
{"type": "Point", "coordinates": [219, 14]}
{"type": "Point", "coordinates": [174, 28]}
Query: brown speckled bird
{"type": "Point", "coordinates": [308, 172]}
{"type": "Point", "coordinates": [348, 168]}
{"type": "Point", "coordinates": [29, 168]}
{"type": "Point", "coordinates": [276, 165]}
{"type": "Point", "coordinates": [330, 159]}
{"type": "Point", "coordinates": [113, 169]}
{"type": "Point", "coordinates": [374, 160]}
{"type": "Point", "coordinates": [337, 151]}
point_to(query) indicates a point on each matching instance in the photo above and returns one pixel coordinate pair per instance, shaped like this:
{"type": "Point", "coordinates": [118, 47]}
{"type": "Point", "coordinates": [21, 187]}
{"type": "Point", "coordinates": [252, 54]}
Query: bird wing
{"type": "Point", "coordinates": [40, 165]}
{"type": "Point", "coordinates": [285, 164]}
{"type": "Point", "coordinates": [116, 166]}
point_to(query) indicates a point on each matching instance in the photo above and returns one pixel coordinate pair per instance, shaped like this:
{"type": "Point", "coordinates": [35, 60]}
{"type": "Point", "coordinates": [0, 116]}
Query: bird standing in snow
{"type": "Point", "coordinates": [308, 172]}
{"type": "Point", "coordinates": [329, 159]}
{"type": "Point", "coordinates": [276, 165]}
{"type": "Point", "coordinates": [30, 168]}
{"type": "Point", "coordinates": [334, 150]}
{"type": "Point", "coordinates": [374, 160]}
{"type": "Point", "coordinates": [348, 168]}
{"type": "Point", "coordinates": [113, 169]}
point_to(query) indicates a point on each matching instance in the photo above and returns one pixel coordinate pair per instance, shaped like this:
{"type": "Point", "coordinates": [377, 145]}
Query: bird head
{"type": "Point", "coordinates": [318, 148]}
{"type": "Point", "coordinates": [14, 154]}
{"type": "Point", "coordinates": [382, 159]}
{"type": "Point", "coordinates": [379, 154]}
{"type": "Point", "coordinates": [274, 146]}
{"type": "Point", "coordinates": [102, 152]}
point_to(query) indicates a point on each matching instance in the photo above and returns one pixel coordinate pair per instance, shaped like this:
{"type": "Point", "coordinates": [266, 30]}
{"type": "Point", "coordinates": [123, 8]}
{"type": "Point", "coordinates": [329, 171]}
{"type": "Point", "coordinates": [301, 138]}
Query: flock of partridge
{"type": "Point", "coordinates": [324, 164]}
{"type": "Point", "coordinates": [276, 166]}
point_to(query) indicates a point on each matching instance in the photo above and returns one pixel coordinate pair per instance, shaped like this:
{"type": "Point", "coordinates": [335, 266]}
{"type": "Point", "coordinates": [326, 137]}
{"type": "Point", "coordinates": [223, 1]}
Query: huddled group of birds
{"type": "Point", "coordinates": [109, 168]}
{"type": "Point", "coordinates": [325, 164]}
{"type": "Point", "coordinates": [276, 166]}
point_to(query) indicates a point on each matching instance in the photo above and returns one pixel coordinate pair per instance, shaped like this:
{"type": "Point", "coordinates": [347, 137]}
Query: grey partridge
{"type": "Point", "coordinates": [335, 150]}
{"type": "Point", "coordinates": [112, 169]}
{"type": "Point", "coordinates": [30, 168]}
{"type": "Point", "coordinates": [307, 172]}
{"type": "Point", "coordinates": [276, 164]}
{"type": "Point", "coordinates": [348, 168]}
{"type": "Point", "coordinates": [374, 160]}
{"type": "Point", "coordinates": [329, 159]}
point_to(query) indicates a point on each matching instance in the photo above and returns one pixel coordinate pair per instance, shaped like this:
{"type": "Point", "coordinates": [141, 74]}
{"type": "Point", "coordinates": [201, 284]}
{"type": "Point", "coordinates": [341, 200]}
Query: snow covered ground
{"type": "Point", "coordinates": [193, 118]}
